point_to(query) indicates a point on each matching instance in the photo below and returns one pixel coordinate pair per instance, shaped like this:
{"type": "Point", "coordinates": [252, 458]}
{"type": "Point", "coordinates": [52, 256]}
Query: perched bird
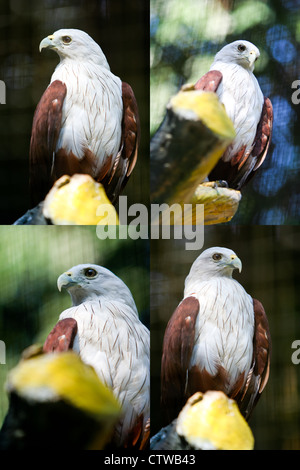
{"type": "Point", "coordinates": [86, 121]}
{"type": "Point", "coordinates": [57, 402]}
{"type": "Point", "coordinates": [231, 77]}
{"type": "Point", "coordinates": [103, 327]}
{"type": "Point", "coordinates": [209, 421]}
{"type": "Point", "coordinates": [217, 339]}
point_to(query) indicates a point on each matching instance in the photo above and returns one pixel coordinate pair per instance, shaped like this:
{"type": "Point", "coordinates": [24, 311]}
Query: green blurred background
{"type": "Point", "coordinates": [270, 258]}
{"type": "Point", "coordinates": [120, 27]}
{"type": "Point", "coordinates": [32, 258]}
{"type": "Point", "coordinates": [185, 36]}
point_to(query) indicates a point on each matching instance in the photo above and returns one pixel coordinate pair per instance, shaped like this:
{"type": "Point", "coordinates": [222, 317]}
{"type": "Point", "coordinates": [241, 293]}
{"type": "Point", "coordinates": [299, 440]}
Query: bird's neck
{"type": "Point", "coordinates": [194, 280]}
{"type": "Point", "coordinates": [231, 67]}
{"type": "Point", "coordinates": [80, 297]}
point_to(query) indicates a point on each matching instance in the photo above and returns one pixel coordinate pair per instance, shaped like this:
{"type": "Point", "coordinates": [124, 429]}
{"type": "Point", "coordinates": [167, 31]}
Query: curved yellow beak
{"type": "Point", "coordinates": [236, 263]}
{"type": "Point", "coordinates": [65, 280]}
{"type": "Point", "coordinates": [47, 43]}
{"type": "Point", "coordinates": [252, 57]}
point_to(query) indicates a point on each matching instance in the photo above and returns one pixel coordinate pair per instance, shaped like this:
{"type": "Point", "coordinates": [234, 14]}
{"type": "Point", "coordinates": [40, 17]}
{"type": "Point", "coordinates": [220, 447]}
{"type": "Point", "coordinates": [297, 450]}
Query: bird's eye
{"type": "Point", "coordinates": [241, 47]}
{"type": "Point", "coordinates": [66, 39]}
{"type": "Point", "coordinates": [216, 256]}
{"type": "Point", "coordinates": [90, 272]}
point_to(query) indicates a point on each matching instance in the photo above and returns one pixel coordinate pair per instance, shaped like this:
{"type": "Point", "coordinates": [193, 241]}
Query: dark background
{"type": "Point", "coordinates": [270, 257]}
{"type": "Point", "coordinates": [120, 27]}
{"type": "Point", "coordinates": [185, 36]}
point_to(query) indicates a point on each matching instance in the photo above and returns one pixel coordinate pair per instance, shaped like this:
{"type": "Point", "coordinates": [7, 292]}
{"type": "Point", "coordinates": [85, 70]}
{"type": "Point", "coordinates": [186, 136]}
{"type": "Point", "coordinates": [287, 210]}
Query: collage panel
{"type": "Point", "coordinates": [53, 278]}
{"type": "Point", "coordinates": [93, 58]}
{"type": "Point", "coordinates": [266, 267]}
{"type": "Point", "coordinates": [246, 53]}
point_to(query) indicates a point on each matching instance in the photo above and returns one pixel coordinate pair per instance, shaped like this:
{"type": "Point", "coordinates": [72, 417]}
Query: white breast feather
{"type": "Point", "coordinates": [242, 97]}
{"type": "Point", "coordinates": [92, 111]}
{"type": "Point", "coordinates": [116, 344]}
{"type": "Point", "coordinates": [224, 328]}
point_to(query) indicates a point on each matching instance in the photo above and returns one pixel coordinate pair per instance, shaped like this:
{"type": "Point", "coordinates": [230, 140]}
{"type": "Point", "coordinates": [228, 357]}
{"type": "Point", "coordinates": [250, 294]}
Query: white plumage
{"type": "Point", "coordinates": [225, 324]}
{"type": "Point", "coordinates": [93, 108]}
{"type": "Point", "coordinates": [111, 338]}
{"type": "Point", "coordinates": [240, 92]}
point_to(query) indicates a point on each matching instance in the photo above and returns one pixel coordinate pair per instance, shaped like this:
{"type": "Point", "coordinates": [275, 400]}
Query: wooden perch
{"type": "Point", "coordinates": [192, 137]}
{"type": "Point", "coordinates": [73, 200]}
{"type": "Point", "coordinates": [57, 402]}
{"type": "Point", "coordinates": [220, 204]}
{"type": "Point", "coordinates": [76, 200]}
{"type": "Point", "coordinates": [33, 216]}
{"type": "Point", "coordinates": [209, 421]}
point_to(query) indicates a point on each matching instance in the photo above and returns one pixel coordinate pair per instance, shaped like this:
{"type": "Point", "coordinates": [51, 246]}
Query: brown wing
{"type": "Point", "coordinates": [177, 349]}
{"type": "Point", "coordinates": [62, 336]}
{"type": "Point", "coordinates": [139, 435]}
{"type": "Point", "coordinates": [45, 131]}
{"type": "Point", "coordinates": [259, 373]}
{"type": "Point", "coordinates": [125, 161]}
{"type": "Point", "coordinates": [210, 81]}
{"type": "Point", "coordinates": [241, 168]}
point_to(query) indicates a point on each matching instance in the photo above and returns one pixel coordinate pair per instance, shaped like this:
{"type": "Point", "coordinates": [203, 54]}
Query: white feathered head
{"type": "Point", "coordinates": [215, 261]}
{"type": "Point", "coordinates": [241, 52]}
{"type": "Point", "coordinates": [75, 44]}
{"type": "Point", "coordinates": [88, 282]}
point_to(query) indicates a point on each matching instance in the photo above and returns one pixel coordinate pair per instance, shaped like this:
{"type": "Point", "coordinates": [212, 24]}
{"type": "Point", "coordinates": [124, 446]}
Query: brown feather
{"type": "Point", "coordinates": [126, 159]}
{"type": "Point", "coordinates": [210, 81]}
{"type": "Point", "coordinates": [238, 159]}
{"type": "Point", "coordinates": [131, 127]}
{"type": "Point", "coordinates": [202, 381]}
{"type": "Point", "coordinates": [241, 168]}
{"type": "Point", "coordinates": [235, 390]}
{"type": "Point", "coordinates": [139, 435]}
{"type": "Point", "coordinates": [45, 131]}
{"type": "Point", "coordinates": [145, 436]}
{"type": "Point", "coordinates": [259, 373]}
{"type": "Point", "coordinates": [177, 349]}
{"type": "Point", "coordinates": [262, 344]}
{"type": "Point", "coordinates": [61, 337]}
{"type": "Point", "coordinates": [66, 163]}
{"type": "Point", "coordinates": [264, 133]}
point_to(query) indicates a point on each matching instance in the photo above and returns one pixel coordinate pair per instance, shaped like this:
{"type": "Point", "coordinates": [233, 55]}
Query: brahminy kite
{"type": "Point", "coordinates": [217, 339]}
{"type": "Point", "coordinates": [103, 327]}
{"type": "Point", "coordinates": [87, 120]}
{"type": "Point", "coordinates": [231, 77]}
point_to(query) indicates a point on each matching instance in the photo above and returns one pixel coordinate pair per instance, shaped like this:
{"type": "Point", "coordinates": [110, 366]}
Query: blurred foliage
{"type": "Point", "coordinates": [185, 36]}
{"type": "Point", "coordinates": [120, 27]}
{"type": "Point", "coordinates": [270, 257]}
{"type": "Point", "coordinates": [31, 260]}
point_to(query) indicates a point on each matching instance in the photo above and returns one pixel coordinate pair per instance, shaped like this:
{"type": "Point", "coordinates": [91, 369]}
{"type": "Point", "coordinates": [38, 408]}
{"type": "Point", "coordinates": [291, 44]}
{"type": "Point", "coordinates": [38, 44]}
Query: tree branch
{"type": "Point", "coordinates": [192, 137]}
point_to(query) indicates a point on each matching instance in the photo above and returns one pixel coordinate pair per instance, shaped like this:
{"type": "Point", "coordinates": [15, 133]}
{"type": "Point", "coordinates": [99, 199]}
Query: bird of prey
{"type": "Point", "coordinates": [103, 327]}
{"type": "Point", "coordinates": [86, 121]}
{"type": "Point", "coordinates": [231, 77]}
{"type": "Point", "coordinates": [217, 339]}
